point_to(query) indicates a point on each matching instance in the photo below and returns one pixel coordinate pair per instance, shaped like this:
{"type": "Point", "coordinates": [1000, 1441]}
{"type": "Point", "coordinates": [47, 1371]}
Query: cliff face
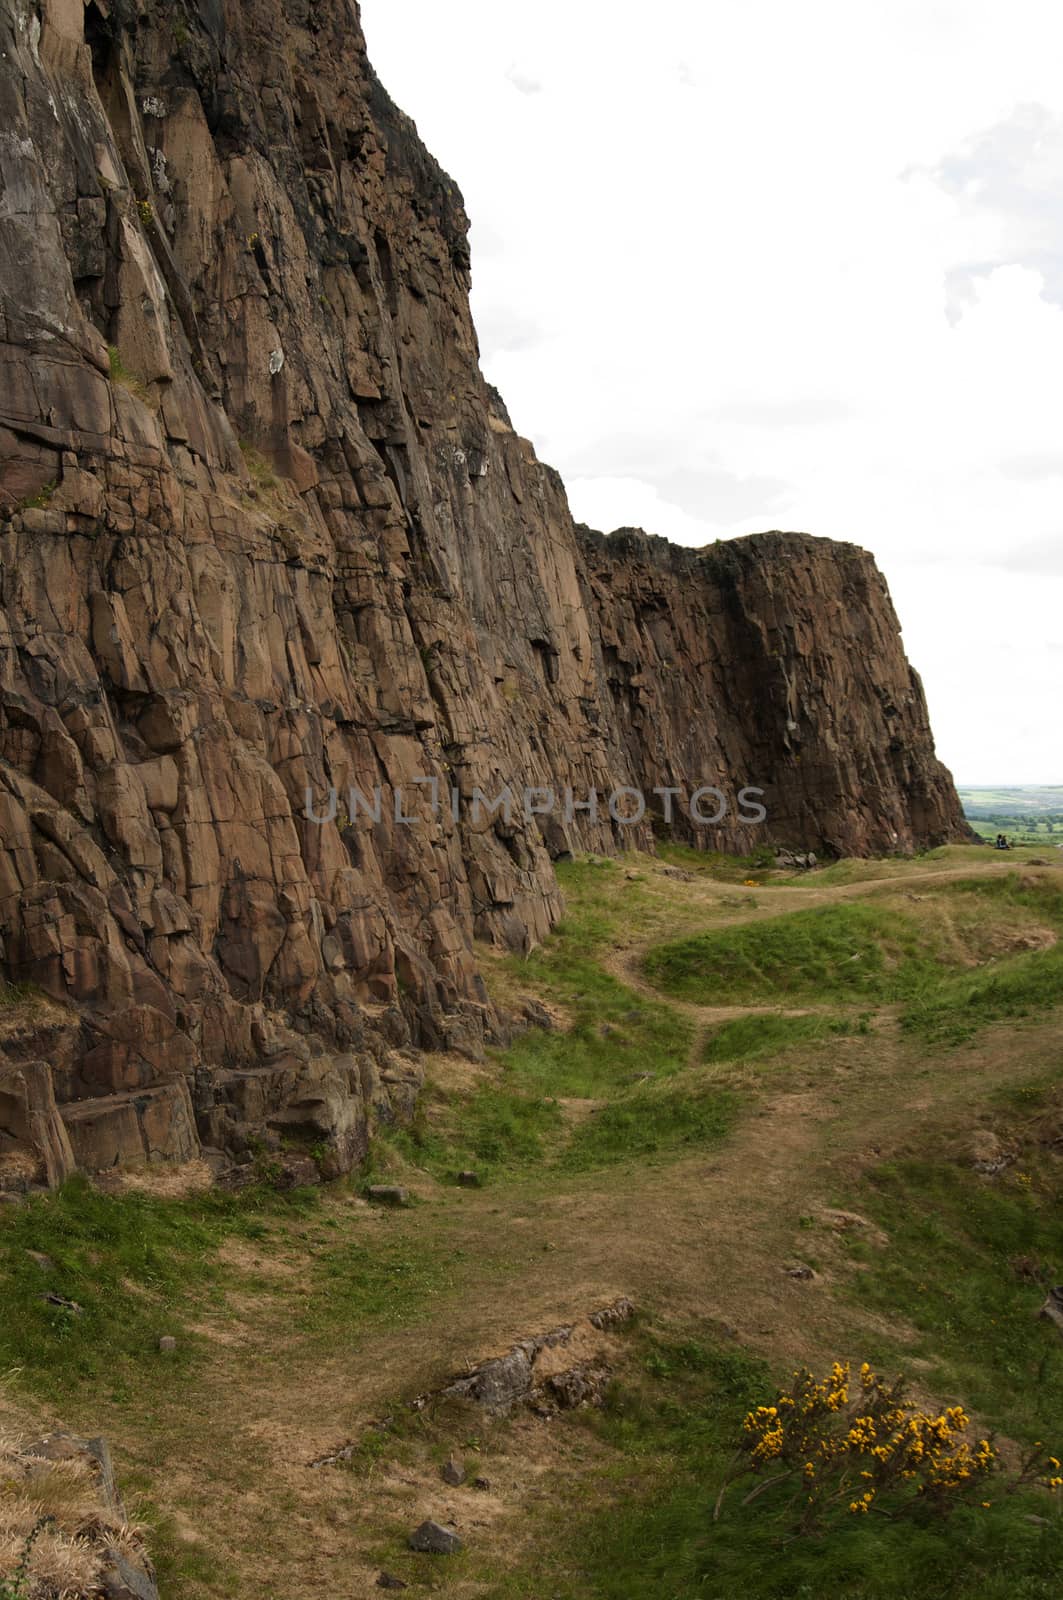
{"type": "Point", "coordinates": [264, 529]}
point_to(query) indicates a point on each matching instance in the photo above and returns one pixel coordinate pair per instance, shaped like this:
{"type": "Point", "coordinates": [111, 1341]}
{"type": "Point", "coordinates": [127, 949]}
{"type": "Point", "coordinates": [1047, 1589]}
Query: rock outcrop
{"type": "Point", "coordinates": [264, 532]}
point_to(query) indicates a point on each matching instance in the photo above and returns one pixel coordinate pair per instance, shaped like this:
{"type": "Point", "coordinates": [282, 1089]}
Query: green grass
{"type": "Point", "coordinates": [871, 951]}
{"type": "Point", "coordinates": [502, 1132]}
{"type": "Point", "coordinates": [614, 1033]}
{"type": "Point", "coordinates": [260, 470]}
{"type": "Point", "coordinates": [715, 864]}
{"type": "Point", "coordinates": [1025, 986]}
{"type": "Point", "coordinates": [141, 1266]}
{"type": "Point", "coordinates": [651, 1123]}
{"type": "Point", "coordinates": [121, 375]}
{"type": "Point", "coordinates": [670, 1431]}
{"type": "Point", "coordinates": [757, 1038]}
{"type": "Point", "coordinates": [858, 951]}
{"type": "Point", "coordinates": [496, 1130]}
{"type": "Point", "coordinates": [1020, 986]}
{"type": "Point", "coordinates": [950, 1272]}
{"type": "Point", "coordinates": [13, 994]}
{"type": "Point", "coordinates": [131, 1262]}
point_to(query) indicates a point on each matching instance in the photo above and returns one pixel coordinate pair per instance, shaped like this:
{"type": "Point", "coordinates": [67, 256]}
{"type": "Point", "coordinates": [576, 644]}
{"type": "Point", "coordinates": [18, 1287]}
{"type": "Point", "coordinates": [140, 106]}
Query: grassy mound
{"type": "Point", "coordinates": [757, 1038]}
{"type": "Point", "coordinates": [861, 951]}
{"type": "Point", "coordinates": [879, 950]}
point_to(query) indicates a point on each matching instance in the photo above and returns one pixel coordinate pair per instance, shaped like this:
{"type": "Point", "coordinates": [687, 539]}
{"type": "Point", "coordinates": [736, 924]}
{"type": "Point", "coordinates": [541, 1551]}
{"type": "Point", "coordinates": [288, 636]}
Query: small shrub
{"type": "Point", "coordinates": [262, 474]}
{"type": "Point", "coordinates": [839, 1447]}
{"type": "Point", "coordinates": [38, 501]}
{"type": "Point", "coordinates": [121, 375]}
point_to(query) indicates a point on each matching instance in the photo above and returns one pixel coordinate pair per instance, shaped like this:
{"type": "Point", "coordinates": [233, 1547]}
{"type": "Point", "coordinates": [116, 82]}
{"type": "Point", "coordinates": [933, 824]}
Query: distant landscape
{"type": "Point", "coordinates": [1028, 812]}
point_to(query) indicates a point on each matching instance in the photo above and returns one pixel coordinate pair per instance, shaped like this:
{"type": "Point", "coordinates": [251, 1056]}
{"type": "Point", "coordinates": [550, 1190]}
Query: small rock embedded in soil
{"type": "Point", "coordinates": [167, 1344]}
{"type": "Point", "coordinates": [388, 1194]}
{"type": "Point", "coordinates": [469, 1180]}
{"type": "Point", "coordinates": [433, 1540]}
{"type": "Point", "coordinates": [388, 1580]}
{"type": "Point", "coordinates": [481, 1483]}
{"type": "Point", "coordinates": [63, 1304]}
{"type": "Point", "coordinates": [453, 1473]}
{"type": "Point", "coordinates": [45, 1263]}
{"type": "Point", "coordinates": [802, 1271]}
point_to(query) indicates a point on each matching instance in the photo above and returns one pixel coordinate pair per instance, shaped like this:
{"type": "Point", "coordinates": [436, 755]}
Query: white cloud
{"type": "Point", "coordinates": [522, 82]}
{"type": "Point", "coordinates": [740, 267]}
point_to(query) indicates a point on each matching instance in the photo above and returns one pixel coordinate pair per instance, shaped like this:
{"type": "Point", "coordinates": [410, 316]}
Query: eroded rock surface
{"type": "Point", "coordinates": [264, 528]}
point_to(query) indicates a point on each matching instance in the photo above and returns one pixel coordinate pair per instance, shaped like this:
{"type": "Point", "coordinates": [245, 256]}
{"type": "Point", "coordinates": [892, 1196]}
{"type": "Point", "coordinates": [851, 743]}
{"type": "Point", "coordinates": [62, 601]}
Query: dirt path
{"type": "Point", "coordinates": [700, 1240]}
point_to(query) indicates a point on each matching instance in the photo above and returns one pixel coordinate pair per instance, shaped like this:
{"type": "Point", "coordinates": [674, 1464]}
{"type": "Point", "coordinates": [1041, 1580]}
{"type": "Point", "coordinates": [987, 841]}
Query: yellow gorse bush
{"type": "Point", "coordinates": [856, 1445]}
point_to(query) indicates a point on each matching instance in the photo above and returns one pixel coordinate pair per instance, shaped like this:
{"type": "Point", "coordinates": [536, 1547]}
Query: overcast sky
{"type": "Point", "coordinates": [748, 264]}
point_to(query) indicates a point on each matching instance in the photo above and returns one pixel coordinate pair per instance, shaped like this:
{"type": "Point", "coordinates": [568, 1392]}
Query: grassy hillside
{"type": "Point", "coordinates": [797, 1120]}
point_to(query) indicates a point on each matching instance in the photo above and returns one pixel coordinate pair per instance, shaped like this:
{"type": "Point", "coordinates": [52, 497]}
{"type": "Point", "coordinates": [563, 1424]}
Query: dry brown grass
{"type": "Point", "coordinates": [56, 1505]}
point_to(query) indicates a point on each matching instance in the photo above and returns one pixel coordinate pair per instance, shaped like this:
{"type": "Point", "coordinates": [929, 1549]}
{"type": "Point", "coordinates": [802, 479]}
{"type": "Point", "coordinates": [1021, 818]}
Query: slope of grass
{"type": "Point", "coordinates": [672, 1429]}
{"type": "Point", "coordinates": [126, 1269]}
{"type": "Point", "coordinates": [715, 864]}
{"type": "Point", "coordinates": [878, 950]}
{"type": "Point", "coordinates": [756, 1038]}
{"type": "Point", "coordinates": [968, 1264]}
{"type": "Point", "coordinates": [650, 1123]}
{"type": "Point", "coordinates": [858, 950]}
{"type": "Point", "coordinates": [614, 1033]}
{"type": "Point", "coordinates": [1021, 986]}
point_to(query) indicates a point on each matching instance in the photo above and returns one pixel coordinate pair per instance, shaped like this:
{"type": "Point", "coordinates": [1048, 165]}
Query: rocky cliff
{"type": "Point", "coordinates": [265, 530]}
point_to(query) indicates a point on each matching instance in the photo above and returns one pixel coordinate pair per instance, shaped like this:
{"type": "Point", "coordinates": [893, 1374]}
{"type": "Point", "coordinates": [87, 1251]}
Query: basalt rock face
{"type": "Point", "coordinates": [264, 529]}
{"type": "Point", "coordinates": [774, 662]}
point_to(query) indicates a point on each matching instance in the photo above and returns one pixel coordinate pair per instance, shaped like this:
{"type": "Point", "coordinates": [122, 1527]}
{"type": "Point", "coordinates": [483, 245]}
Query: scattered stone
{"type": "Point", "coordinates": [45, 1263]}
{"type": "Point", "coordinates": [580, 1386]}
{"type": "Point", "coordinates": [613, 1316]}
{"type": "Point", "coordinates": [388, 1580]}
{"type": "Point", "coordinates": [433, 1540]}
{"type": "Point", "coordinates": [469, 1180]}
{"type": "Point", "coordinates": [167, 1344]}
{"type": "Point", "coordinates": [1052, 1309]}
{"type": "Point", "coordinates": [453, 1473]}
{"type": "Point", "coordinates": [121, 1580]}
{"type": "Point", "coordinates": [388, 1194]}
{"type": "Point", "coordinates": [61, 1303]}
{"type": "Point", "coordinates": [989, 1154]}
{"type": "Point", "coordinates": [482, 1484]}
{"type": "Point", "coordinates": [800, 1270]}
{"type": "Point", "coordinates": [535, 1013]}
{"type": "Point", "coordinates": [298, 1172]}
{"type": "Point", "coordinates": [846, 1221]}
{"type": "Point", "coordinates": [795, 860]}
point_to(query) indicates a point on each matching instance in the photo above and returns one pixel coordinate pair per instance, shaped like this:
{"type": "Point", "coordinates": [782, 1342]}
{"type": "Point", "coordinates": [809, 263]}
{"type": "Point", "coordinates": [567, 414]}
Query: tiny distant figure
{"type": "Point", "coordinates": [1002, 843]}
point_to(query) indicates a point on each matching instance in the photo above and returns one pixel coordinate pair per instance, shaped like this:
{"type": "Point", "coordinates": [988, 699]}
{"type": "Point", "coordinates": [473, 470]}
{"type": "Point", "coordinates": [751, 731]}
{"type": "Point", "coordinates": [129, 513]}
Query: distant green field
{"type": "Point", "coordinates": [1026, 813]}
{"type": "Point", "coordinates": [1030, 800]}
